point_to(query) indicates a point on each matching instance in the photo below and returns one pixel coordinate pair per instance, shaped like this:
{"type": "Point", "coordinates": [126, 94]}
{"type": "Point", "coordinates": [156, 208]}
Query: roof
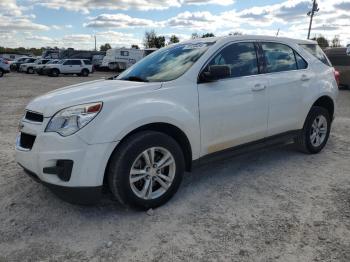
{"type": "Point", "coordinates": [251, 37]}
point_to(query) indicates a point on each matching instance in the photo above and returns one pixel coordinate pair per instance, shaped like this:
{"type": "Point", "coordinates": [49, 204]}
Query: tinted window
{"type": "Point", "coordinates": [124, 53]}
{"type": "Point", "coordinates": [302, 64]}
{"type": "Point", "coordinates": [278, 57]}
{"type": "Point", "coordinates": [76, 62]}
{"type": "Point", "coordinates": [87, 62]}
{"type": "Point", "coordinates": [316, 51]}
{"type": "Point", "coordinates": [240, 57]}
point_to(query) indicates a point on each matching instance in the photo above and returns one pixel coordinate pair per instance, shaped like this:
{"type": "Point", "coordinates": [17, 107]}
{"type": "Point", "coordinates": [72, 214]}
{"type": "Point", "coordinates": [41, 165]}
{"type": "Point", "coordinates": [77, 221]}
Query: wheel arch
{"type": "Point", "coordinates": [173, 131]}
{"type": "Point", "coordinates": [327, 103]}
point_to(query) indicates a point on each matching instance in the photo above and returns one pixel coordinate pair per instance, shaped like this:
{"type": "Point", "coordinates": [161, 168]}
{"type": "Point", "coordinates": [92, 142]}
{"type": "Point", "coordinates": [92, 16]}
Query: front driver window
{"type": "Point", "coordinates": [241, 58]}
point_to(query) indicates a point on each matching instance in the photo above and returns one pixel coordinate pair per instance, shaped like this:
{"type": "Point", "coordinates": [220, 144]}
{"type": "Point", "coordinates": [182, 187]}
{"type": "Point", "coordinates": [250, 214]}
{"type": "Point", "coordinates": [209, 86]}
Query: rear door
{"type": "Point", "coordinates": [76, 66]}
{"type": "Point", "coordinates": [288, 76]}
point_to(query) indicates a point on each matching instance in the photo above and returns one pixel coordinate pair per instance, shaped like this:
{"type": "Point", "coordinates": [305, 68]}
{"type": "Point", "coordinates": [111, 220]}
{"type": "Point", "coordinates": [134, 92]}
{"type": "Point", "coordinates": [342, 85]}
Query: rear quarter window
{"type": "Point", "coordinates": [317, 52]}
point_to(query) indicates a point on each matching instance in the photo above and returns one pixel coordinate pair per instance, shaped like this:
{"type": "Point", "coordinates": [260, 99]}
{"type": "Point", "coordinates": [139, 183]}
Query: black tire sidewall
{"type": "Point", "coordinates": [1, 73]}
{"type": "Point", "coordinates": [123, 159]}
{"type": "Point", "coordinates": [85, 72]}
{"type": "Point", "coordinates": [315, 112]}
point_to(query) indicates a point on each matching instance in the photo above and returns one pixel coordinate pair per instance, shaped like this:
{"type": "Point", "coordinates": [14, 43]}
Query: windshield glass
{"type": "Point", "coordinates": [166, 64]}
{"type": "Point", "coordinates": [60, 61]}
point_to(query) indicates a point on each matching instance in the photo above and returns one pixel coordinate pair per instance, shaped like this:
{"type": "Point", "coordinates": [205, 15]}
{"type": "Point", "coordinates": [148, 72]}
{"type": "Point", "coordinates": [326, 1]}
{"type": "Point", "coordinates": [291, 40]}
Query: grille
{"type": "Point", "coordinates": [27, 141]}
{"type": "Point", "coordinates": [34, 117]}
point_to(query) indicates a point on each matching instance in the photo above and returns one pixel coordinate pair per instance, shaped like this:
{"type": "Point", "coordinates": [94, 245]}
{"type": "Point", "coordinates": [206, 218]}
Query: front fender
{"type": "Point", "coordinates": [115, 122]}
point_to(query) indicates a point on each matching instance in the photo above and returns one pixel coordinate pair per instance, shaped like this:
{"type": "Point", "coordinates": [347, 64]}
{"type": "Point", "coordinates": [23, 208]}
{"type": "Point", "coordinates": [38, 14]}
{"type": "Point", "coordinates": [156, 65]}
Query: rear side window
{"type": "Point", "coordinates": [240, 57]}
{"type": "Point", "coordinates": [76, 62]}
{"type": "Point", "coordinates": [317, 52]}
{"type": "Point", "coordinates": [301, 63]}
{"type": "Point", "coordinates": [87, 62]}
{"type": "Point", "coordinates": [279, 57]}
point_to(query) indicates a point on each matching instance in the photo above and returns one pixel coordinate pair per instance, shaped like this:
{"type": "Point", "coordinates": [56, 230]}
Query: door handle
{"type": "Point", "coordinates": [258, 87]}
{"type": "Point", "coordinates": [305, 78]}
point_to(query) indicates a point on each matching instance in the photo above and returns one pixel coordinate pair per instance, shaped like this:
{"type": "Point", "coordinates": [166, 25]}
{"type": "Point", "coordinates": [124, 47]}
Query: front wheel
{"type": "Point", "coordinates": [30, 70]}
{"type": "Point", "coordinates": [146, 170]}
{"type": "Point", "coordinates": [54, 72]}
{"type": "Point", "coordinates": [315, 133]}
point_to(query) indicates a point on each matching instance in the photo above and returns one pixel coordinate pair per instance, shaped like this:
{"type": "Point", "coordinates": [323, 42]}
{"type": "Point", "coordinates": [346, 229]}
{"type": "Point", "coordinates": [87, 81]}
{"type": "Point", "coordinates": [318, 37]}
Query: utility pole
{"type": "Point", "coordinates": [95, 43]}
{"type": "Point", "coordinates": [311, 13]}
{"type": "Point", "coordinates": [278, 32]}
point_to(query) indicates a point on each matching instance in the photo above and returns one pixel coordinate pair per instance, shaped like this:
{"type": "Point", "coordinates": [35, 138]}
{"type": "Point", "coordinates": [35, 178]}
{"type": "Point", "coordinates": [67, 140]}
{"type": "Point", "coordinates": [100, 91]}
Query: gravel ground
{"type": "Point", "coordinates": [271, 205]}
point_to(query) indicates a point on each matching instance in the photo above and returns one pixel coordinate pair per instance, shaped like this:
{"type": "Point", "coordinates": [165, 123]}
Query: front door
{"type": "Point", "coordinates": [233, 110]}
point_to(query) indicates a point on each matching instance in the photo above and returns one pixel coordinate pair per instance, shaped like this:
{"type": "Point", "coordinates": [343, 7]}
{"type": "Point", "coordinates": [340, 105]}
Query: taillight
{"type": "Point", "coordinates": [337, 76]}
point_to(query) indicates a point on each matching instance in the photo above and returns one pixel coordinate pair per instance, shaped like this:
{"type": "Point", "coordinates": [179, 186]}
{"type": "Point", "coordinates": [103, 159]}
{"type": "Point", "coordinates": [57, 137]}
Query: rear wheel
{"type": "Point", "coordinates": [84, 72]}
{"type": "Point", "coordinates": [146, 170]}
{"type": "Point", "coordinates": [315, 133]}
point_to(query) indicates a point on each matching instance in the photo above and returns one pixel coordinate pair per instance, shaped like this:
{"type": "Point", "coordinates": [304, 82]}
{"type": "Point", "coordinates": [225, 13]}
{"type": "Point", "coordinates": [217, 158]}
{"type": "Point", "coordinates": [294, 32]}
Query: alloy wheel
{"type": "Point", "coordinates": [152, 173]}
{"type": "Point", "coordinates": [319, 130]}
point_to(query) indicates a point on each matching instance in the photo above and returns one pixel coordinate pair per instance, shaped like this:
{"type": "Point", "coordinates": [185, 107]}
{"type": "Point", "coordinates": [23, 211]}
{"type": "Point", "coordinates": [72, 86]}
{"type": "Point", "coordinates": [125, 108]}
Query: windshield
{"type": "Point", "coordinates": [166, 64]}
{"type": "Point", "coordinates": [60, 61]}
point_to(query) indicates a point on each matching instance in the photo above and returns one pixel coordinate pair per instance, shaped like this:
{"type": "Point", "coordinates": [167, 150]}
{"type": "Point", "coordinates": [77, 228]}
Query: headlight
{"type": "Point", "coordinates": [70, 120]}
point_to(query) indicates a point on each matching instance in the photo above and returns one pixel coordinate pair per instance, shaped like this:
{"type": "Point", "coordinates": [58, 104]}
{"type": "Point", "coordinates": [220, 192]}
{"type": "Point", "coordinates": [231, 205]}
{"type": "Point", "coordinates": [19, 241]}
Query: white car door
{"type": "Point", "coordinates": [288, 76]}
{"type": "Point", "coordinates": [233, 110]}
{"type": "Point", "coordinates": [66, 67]}
{"type": "Point", "coordinates": [76, 66]}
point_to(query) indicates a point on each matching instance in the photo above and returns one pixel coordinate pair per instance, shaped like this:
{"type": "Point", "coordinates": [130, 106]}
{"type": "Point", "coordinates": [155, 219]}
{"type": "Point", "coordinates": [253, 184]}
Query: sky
{"type": "Point", "coordinates": [73, 23]}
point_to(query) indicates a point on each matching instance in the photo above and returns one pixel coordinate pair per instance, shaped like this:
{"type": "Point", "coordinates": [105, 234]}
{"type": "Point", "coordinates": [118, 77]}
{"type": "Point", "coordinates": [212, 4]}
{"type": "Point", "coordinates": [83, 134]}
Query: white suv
{"type": "Point", "coordinates": [138, 133]}
{"type": "Point", "coordinates": [81, 67]}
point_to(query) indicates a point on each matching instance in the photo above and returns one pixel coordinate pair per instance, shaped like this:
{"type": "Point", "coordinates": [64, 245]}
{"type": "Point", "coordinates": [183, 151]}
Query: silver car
{"type": "Point", "coordinates": [4, 67]}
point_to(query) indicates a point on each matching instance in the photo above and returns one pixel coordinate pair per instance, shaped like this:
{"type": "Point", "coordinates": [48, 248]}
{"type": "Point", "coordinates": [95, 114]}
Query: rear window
{"type": "Point", "coordinates": [317, 52]}
{"type": "Point", "coordinates": [87, 62]}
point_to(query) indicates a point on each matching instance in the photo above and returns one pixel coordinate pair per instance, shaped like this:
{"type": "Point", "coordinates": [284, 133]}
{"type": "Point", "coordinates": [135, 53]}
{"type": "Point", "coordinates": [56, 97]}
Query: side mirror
{"type": "Point", "coordinates": [215, 72]}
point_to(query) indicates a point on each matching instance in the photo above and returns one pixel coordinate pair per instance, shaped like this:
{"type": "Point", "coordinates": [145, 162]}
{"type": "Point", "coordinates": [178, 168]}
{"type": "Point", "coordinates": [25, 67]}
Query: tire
{"type": "Point", "coordinates": [1, 73]}
{"type": "Point", "coordinates": [54, 72]}
{"type": "Point", "coordinates": [30, 70]}
{"type": "Point", "coordinates": [317, 126]}
{"type": "Point", "coordinates": [131, 154]}
{"type": "Point", "coordinates": [84, 72]}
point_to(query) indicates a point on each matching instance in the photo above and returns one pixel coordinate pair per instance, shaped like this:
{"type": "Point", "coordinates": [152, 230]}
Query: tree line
{"type": "Point", "coordinates": [324, 43]}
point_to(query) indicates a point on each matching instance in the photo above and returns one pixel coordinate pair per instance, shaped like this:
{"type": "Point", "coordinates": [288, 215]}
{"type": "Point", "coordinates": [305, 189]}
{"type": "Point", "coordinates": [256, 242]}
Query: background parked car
{"type": "Point", "coordinates": [4, 67]}
{"type": "Point", "coordinates": [81, 67]}
{"type": "Point", "coordinates": [16, 64]}
{"type": "Point", "coordinates": [341, 62]}
{"type": "Point", "coordinates": [39, 69]}
{"type": "Point", "coordinates": [29, 68]}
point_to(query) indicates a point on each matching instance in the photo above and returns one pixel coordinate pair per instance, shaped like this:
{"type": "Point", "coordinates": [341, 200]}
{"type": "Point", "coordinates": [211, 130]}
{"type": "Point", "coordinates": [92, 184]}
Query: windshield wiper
{"type": "Point", "coordinates": [135, 78]}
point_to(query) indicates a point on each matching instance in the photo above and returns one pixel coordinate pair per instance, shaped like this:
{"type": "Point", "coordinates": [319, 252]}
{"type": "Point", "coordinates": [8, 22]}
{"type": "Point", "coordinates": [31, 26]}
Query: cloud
{"type": "Point", "coordinates": [119, 21]}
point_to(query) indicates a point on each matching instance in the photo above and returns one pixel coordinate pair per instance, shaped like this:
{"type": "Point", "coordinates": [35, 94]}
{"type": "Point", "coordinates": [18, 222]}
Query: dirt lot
{"type": "Point", "coordinates": [272, 205]}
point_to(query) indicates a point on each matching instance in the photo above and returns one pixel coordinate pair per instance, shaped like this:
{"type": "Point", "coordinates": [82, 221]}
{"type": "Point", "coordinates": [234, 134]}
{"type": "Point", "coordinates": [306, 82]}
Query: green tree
{"type": "Point", "coordinates": [151, 40]}
{"type": "Point", "coordinates": [135, 46]}
{"type": "Point", "coordinates": [208, 35]}
{"type": "Point", "coordinates": [105, 47]}
{"type": "Point", "coordinates": [174, 39]}
{"type": "Point", "coordinates": [322, 41]}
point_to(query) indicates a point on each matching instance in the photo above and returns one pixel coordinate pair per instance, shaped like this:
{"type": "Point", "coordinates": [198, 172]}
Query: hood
{"type": "Point", "coordinates": [94, 91]}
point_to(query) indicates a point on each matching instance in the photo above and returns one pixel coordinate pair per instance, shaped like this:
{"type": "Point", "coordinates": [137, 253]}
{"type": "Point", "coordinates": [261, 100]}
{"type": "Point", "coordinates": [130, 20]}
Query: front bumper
{"type": "Point", "coordinates": [88, 161]}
